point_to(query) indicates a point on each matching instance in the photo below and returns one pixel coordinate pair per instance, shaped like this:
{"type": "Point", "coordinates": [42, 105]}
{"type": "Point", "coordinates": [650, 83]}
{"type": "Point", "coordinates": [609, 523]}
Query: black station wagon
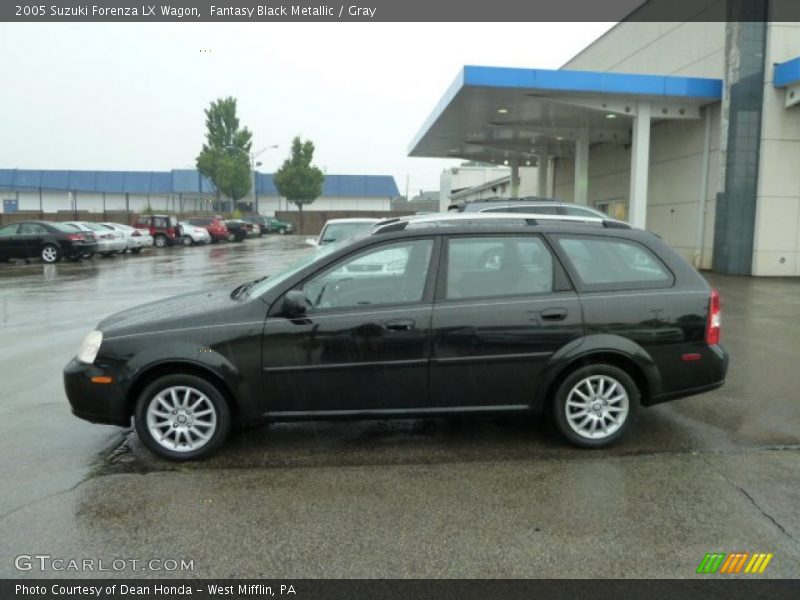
{"type": "Point", "coordinates": [585, 319]}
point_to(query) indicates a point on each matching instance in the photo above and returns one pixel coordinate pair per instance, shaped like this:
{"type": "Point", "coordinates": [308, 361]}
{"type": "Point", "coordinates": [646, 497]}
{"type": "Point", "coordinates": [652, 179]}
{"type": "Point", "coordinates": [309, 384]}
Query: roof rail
{"type": "Point", "coordinates": [401, 223]}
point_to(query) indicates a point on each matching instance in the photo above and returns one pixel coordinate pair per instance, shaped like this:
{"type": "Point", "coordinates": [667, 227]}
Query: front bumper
{"type": "Point", "coordinates": [98, 403]}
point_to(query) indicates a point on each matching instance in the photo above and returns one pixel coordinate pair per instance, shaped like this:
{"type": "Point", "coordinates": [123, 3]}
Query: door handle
{"type": "Point", "coordinates": [554, 314]}
{"type": "Point", "coordinates": [399, 325]}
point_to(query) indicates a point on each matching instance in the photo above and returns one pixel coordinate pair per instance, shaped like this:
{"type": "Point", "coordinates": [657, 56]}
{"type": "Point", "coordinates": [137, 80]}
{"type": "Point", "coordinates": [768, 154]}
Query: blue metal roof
{"type": "Point", "coordinates": [179, 181]}
{"type": "Point", "coordinates": [787, 73]}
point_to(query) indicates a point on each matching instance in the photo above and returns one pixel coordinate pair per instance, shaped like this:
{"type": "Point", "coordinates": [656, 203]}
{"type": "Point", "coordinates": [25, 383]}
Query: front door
{"type": "Point", "coordinates": [9, 245]}
{"type": "Point", "coordinates": [503, 307]}
{"type": "Point", "coordinates": [363, 345]}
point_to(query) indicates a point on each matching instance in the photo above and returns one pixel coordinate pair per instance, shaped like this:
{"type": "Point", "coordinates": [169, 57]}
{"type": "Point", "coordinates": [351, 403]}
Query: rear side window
{"type": "Point", "coordinates": [614, 263]}
{"type": "Point", "coordinates": [9, 229]}
{"type": "Point", "coordinates": [485, 267]}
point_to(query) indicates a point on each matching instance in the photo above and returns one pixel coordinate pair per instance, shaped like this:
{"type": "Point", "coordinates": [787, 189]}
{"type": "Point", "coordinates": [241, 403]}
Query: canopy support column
{"type": "Point", "coordinates": [582, 166]}
{"type": "Point", "coordinates": [542, 176]}
{"type": "Point", "coordinates": [515, 178]}
{"type": "Point", "coordinates": [640, 166]}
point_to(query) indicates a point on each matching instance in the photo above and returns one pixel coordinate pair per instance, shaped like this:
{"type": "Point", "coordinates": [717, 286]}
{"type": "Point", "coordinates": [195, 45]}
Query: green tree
{"type": "Point", "coordinates": [225, 157]}
{"type": "Point", "coordinates": [298, 180]}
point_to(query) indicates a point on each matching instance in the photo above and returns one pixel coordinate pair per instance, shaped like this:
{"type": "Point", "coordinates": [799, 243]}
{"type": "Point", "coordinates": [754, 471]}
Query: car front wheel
{"type": "Point", "coordinates": [596, 405]}
{"type": "Point", "coordinates": [182, 417]}
{"type": "Point", "coordinates": [50, 253]}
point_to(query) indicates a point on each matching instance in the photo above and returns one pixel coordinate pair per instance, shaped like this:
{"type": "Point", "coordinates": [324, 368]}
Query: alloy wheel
{"type": "Point", "coordinates": [596, 407]}
{"type": "Point", "coordinates": [181, 419]}
{"type": "Point", "coordinates": [49, 254]}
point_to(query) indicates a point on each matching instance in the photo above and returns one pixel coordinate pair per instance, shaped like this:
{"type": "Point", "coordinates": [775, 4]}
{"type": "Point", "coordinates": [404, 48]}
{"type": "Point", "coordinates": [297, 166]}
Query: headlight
{"type": "Point", "coordinates": [90, 346]}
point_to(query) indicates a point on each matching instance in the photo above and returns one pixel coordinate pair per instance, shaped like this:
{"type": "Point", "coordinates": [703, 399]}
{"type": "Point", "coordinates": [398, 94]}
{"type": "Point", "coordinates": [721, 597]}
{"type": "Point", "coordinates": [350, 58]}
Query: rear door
{"type": "Point", "coordinates": [503, 307]}
{"type": "Point", "coordinates": [31, 237]}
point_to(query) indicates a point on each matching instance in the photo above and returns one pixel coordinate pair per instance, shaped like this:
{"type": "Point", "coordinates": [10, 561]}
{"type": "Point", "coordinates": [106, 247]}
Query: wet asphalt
{"type": "Point", "coordinates": [461, 497]}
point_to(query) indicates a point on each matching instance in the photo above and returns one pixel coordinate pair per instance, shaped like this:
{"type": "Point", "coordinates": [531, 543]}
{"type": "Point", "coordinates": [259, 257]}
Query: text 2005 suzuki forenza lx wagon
{"type": "Point", "coordinates": [417, 317]}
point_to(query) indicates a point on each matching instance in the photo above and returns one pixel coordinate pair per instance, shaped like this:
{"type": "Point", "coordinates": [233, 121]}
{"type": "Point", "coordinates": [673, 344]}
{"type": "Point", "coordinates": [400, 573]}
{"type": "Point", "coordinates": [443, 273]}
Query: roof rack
{"type": "Point", "coordinates": [400, 223]}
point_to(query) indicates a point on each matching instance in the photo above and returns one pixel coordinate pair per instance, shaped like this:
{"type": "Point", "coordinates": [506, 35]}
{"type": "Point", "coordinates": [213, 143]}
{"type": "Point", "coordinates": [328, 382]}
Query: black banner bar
{"type": "Point", "coordinates": [305, 589]}
{"type": "Point", "coordinates": [387, 10]}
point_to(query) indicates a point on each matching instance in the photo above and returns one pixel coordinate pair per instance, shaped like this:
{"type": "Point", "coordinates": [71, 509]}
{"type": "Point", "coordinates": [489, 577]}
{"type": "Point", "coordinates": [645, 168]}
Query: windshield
{"type": "Point", "coordinates": [276, 278]}
{"type": "Point", "coordinates": [337, 231]}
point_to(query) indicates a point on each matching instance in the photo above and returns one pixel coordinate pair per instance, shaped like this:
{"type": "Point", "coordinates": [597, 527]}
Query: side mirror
{"type": "Point", "coordinates": [295, 304]}
{"type": "Point", "coordinates": [311, 242]}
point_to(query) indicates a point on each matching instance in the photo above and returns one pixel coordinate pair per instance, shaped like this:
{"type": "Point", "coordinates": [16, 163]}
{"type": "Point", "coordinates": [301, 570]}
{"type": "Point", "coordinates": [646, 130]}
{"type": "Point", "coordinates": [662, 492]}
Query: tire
{"type": "Point", "coordinates": [50, 253]}
{"type": "Point", "coordinates": [579, 414]}
{"type": "Point", "coordinates": [88, 255]}
{"type": "Point", "coordinates": [282, 231]}
{"type": "Point", "coordinates": [136, 250]}
{"type": "Point", "coordinates": [231, 237]}
{"type": "Point", "coordinates": [152, 416]}
{"type": "Point", "coordinates": [106, 254]}
{"type": "Point", "coordinates": [160, 241]}
{"type": "Point", "coordinates": [187, 240]}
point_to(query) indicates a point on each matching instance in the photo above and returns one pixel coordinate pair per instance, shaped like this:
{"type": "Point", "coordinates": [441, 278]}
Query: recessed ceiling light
{"type": "Point", "coordinates": [559, 137]}
{"type": "Point", "coordinates": [502, 111]}
{"type": "Point", "coordinates": [505, 162]}
{"type": "Point", "coordinates": [611, 116]}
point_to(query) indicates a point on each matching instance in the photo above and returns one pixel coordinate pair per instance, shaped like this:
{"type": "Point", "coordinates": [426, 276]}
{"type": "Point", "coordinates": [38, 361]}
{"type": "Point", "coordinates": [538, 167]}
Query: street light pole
{"type": "Point", "coordinates": [253, 164]}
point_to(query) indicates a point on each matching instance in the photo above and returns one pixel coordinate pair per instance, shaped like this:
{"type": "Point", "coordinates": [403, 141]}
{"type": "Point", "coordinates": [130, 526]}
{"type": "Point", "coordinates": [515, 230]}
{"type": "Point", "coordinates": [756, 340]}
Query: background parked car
{"type": "Point", "coordinates": [528, 205]}
{"type": "Point", "coordinates": [270, 224]}
{"type": "Point", "coordinates": [193, 234]}
{"type": "Point", "coordinates": [109, 241]}
{"type": "Point", "coordinates": [45, 240]}
{"type": "Point", "coordinates": [215, 225]}
{"type": "Point", "coordinates": [238, 230]}
{"type": "Point", "coordinates": [337, 229]}
{"type": "Point", "coordinates": [163, 228]}
{"type": "Point", "coordinates": [135, 239]}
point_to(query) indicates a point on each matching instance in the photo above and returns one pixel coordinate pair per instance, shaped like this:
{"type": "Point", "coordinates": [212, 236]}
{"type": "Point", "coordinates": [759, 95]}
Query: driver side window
{"type": "Point", "coordinates": [386, 274]}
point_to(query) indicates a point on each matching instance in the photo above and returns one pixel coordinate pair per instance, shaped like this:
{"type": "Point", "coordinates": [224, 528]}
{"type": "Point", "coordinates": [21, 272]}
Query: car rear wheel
{"type": "Point", "coordinates": [182, 417]}
{"type": "Point", "coordinates": [50, 253]}
{"type": "Point", "coordinates": [187, 240]}
{"type": "Point", "coordinates": [596, 405]}
{"type": "Point", "coordinates": [160, 240]}
{"type": "Point", "coordinates": [282, 231]}
{"type": "Point", "coordinates": [136, 250]}
{"type": "Point", "coordinates": [231, 237]}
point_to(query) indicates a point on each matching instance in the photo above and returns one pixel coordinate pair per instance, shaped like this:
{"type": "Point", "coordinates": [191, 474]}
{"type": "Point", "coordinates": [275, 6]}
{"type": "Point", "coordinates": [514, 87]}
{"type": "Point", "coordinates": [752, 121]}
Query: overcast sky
{"type": "Point", "coordinates": [131, 96]}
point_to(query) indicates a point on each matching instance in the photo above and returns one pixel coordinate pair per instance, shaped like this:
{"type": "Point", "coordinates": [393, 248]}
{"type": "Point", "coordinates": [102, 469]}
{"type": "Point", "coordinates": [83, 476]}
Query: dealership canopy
{"type": "Point", "coordinates": [524, 117]}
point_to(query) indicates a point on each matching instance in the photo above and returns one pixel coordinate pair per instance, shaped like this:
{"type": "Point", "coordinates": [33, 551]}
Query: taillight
{"type": "Point", "coordinates": [75, 237]}
{"type": "Point", "coordinates": [714, 317]}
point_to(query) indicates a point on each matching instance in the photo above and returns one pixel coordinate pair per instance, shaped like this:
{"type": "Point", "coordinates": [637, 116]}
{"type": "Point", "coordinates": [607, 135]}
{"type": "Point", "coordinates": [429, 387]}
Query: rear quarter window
{"type": "Point", "coordinates": [607, 263]}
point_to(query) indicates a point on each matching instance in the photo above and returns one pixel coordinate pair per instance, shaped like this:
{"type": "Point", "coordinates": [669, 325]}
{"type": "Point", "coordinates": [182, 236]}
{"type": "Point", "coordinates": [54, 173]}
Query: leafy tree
{"type": "Point", "coordinates": [225, 158]}
{"type": "Point", "coordinates": [298, 180]}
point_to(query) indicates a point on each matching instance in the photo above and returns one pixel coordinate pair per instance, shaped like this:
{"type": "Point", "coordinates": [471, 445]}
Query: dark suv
{"type": "Point", "coordinates": [420, 316]}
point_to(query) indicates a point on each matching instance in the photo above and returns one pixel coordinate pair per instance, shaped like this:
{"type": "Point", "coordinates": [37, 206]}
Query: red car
{"type": "Point", "coordinates": [215, 225]}
{"type": "Point", "coordinates": [163, 228]}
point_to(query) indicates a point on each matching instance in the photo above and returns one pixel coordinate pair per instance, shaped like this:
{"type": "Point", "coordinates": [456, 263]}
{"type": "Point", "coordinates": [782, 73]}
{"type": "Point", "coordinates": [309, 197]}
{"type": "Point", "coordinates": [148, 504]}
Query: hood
{"type": "Point", "coordinates": [185, 310]}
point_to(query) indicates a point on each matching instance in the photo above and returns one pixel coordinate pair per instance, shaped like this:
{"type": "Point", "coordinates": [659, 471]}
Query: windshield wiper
{"type": "Point", "coordinates": [243, 290]}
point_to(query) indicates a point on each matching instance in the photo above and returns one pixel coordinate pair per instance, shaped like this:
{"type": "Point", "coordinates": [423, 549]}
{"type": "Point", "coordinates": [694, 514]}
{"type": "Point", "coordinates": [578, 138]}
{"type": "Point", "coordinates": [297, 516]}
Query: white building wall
{"type": "Point", "coordinates": [693, 49]}
{"type": "Point", "coordinates": [674, 188]}
{"type": "Point", "coordinates": [776, 249]}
